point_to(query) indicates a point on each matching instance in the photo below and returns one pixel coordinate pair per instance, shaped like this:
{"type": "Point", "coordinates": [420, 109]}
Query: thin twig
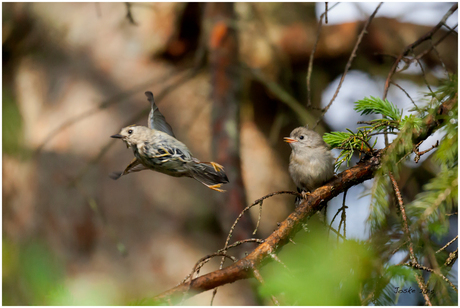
{"type": "Point", "coordinates": [409, 153]}
{"type": "Point", "coordinates": [424, 75]}
{"type": "Point", "coordinates": [275, 257]}
{"type": "Point", "coordinates": [365, 141]}
{"type": "Point", "coordinates": [382, 133]}
{"type": "Point", "coordinates": [407, 94]}
{"type": "Point", "coordinates": [205, 259]}
{"type": "Point", "coordinates": [418, 154]}
{"type": "Point", "coordinates": [336, 232]}
{"type": "Point", "coordinates": [343, 217]}
{"type": "Point", "coordinates": [399, 247]}
{"type": "Point", "coordinates": [330, 225]}
{"type": "Point", "coordinates": [452, 258]}
{"type": "Point", "coordinates": [418, 266]}
{"type": "Point", "coordinates": [421, 55]}
{"type": "Point", "coordinates": [387, 122]}
{"type": "Point", "coordinates": [259, 278]}
{"type": "Point", "coordinates": [439, 57]}
{"type": "Point", "coordinates": [418, 277]}
{"type": "Point", "coordinates": [312, 54]}
{"type": "Point", "coordinates": [404, 217]}
{"type": "Point", "coordinates": [129, 14]}
{"type": "Point", "coordinates": [197, 268]}
{"type": "Point", "coordinates": [350, 60]}
{"type": "Point", "coordinates": [338, 211]}
{"type": "Point", "coordinates": [451, 29]}
{"type": "Point", "coordinates": [404, 260]}
{"type": "Point", "coordinates": [326, 13]}
{"type": "Point", "coordinates": [408, 48]}
{"type": "Point", "coordinates": [448, 244]}
{"type": "Point", "coordinates": [258, 201]}
{"type": "Point", "coordinates": [260, 217]}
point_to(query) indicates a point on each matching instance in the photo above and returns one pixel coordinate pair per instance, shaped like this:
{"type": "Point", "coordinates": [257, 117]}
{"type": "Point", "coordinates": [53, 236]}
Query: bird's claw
{"type": "Point", "coordinates": [215, 187]}
{"type": "Point", "coordinates": [305, 194]}
{"type": "Point", "coordinates": [217, 167]}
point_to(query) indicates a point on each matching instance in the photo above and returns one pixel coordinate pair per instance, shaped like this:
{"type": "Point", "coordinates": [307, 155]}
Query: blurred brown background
{"type": "Point", "coordinates": [71, 235]}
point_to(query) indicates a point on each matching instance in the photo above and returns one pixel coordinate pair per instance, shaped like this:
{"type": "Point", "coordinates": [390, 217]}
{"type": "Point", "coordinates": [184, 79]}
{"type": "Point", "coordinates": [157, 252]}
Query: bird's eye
{"type": "Point", "coordinates": [301, 137]}
{"type": "Point", "coordinates": [130, 131]}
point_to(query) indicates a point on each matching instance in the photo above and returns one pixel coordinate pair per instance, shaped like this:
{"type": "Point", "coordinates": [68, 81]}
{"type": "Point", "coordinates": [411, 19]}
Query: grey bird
{"type": "Point", "coordinates": [311, 163]}
{"type": "Point", "coordinates": [156, 148]}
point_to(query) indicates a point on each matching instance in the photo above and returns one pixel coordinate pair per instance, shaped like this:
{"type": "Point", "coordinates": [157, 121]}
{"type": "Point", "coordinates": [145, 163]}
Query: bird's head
{"type": "Point", "coordinates": [302, 138]}
{"type": "Point", "coordinates": [131, 134]}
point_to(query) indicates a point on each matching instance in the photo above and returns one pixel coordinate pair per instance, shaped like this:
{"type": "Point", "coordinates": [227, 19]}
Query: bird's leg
{"type": "Point", "coordinates": [134, 166]}
{"type": "Point", "coordinates": [215, 187]}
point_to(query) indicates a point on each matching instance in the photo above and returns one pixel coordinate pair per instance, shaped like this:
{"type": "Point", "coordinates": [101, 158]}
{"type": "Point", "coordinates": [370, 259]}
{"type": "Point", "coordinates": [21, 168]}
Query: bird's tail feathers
{"type": "Point", "coordinates": [210, 174]}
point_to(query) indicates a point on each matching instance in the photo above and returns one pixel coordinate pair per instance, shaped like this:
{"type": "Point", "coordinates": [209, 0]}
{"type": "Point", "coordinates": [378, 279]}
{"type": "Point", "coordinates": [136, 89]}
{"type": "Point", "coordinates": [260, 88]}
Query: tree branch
{"type": "Point", "coordinates": [244, 268]}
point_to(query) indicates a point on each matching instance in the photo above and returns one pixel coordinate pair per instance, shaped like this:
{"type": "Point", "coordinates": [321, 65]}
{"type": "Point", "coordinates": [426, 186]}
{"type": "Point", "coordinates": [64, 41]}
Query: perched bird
{"type": "Point", "coordinates": [156, 148]}
{"type": "Point", "coordinates": [311, 163]}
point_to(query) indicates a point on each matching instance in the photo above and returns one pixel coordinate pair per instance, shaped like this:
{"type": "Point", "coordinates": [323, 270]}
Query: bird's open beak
{"type": "Point", "coordinates": [118, 136]}
{"type": "Point", "coordinates": [289, 140]}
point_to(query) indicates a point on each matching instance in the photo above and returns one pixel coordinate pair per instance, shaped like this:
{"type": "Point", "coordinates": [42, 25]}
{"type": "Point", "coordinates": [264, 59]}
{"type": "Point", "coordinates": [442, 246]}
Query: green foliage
{"type": "Point", "coordinates": [379, 202]}
{"type": "Point", "coordinates": [360, 141]}
{"type": "Point", "coordinates": [407, 128]}
{"type": "Point", "coordinates": [438, 198]}
{"type": "Point", "coordinates": [318, 273]}
{"type": "Point", "coordinates": [374, 105]}
{"type": "Point", "coordinates": [32, 270]}
{"type": "Point", "coordinates": [349, 143]}
{"type": "Point", "coordinates": [387, 285]}
{"type": "Point", "coordinates": [411, 122]}
{"type": "Point", "coordinates": [447, 153]}
{"type": "Point", "coordinates": [33, 275]}
{"type": "Point", "coordinates": [344, 141]}
{"type": "Point", "coordinates": [447, 90]}
{"type": "Point", "coordinates": [337, 139]}
{"type": "Point", "coordinates": [428, 211]}
{"type": "Point", "coordinates": [440, 291]}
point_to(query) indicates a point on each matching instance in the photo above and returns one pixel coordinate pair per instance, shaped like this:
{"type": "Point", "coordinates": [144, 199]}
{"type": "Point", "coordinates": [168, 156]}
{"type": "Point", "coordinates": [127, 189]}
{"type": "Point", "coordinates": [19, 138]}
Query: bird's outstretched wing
{"type": "Point", "coordinates": [156, 119]}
